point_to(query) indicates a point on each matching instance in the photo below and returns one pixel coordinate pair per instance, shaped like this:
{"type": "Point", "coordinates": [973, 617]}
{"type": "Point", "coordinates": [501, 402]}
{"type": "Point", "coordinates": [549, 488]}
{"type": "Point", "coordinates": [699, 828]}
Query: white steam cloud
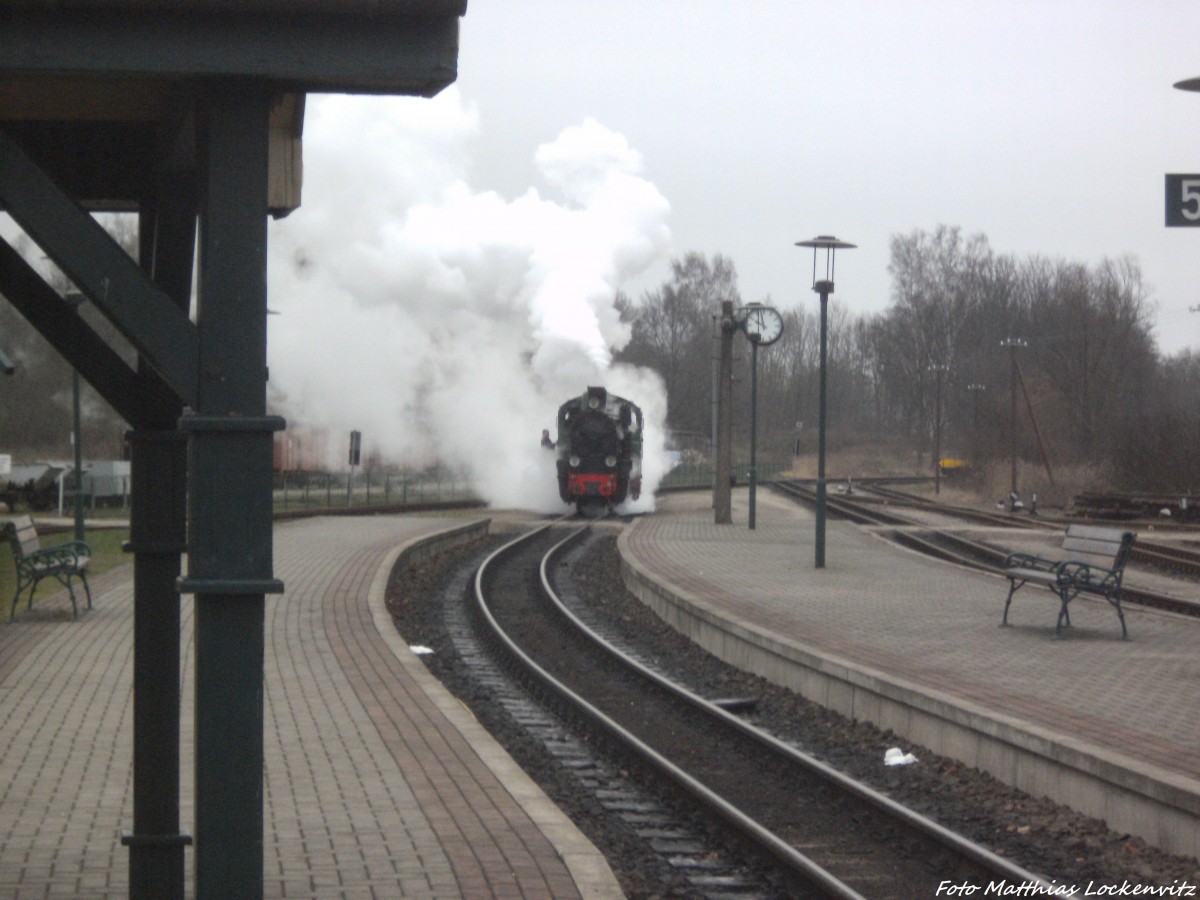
{"type": "Point", "coordinates": [446, 323]}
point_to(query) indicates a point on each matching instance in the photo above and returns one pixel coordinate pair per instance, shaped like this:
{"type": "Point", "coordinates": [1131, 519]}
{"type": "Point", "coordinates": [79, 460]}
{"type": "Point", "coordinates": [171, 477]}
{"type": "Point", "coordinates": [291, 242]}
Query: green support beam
{"type": "Point", "coordinates": [62, 327]}
{"type": "Point", "coordinates": [105, 273]}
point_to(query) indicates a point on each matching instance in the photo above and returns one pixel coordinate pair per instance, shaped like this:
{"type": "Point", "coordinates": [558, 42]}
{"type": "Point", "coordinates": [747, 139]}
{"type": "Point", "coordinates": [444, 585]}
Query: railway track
{"type": "Point", "coordinates": [944, 544]}
{"type": "Point", "coordinates": [825, 833]}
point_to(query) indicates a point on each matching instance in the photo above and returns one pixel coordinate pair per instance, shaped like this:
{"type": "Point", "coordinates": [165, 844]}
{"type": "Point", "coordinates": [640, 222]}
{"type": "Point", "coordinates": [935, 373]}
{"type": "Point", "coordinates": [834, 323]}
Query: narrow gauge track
{"type": "Point", "coordinates": [1169, 557]}
{"type": "Point", "coordinates": [945, 545]}
{"type": "Point", "coordinates": [834, 836]}
{"type": "Point", "coordinates": [1172, 557]}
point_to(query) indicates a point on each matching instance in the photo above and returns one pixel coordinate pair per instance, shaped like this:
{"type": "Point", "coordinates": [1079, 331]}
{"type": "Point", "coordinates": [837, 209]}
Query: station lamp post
{"type": "Point", "coordinates": [937, 369]}
{"type": "Point", "coordinates": [1012, 344]}
{"type": "Point", "coordinates": [975, 389]}
{"type": "Point", "coordinates": [823, 287]}
{"type": "Point", "coordinates": [75, 300]}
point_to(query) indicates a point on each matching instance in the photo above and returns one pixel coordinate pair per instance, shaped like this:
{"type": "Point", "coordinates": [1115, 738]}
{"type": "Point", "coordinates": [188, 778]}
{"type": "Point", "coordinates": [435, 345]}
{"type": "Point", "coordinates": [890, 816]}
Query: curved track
{"type": "Point", "coordinates": [944, 544]}
{"type": "Point", "coordinates": [835, 836]}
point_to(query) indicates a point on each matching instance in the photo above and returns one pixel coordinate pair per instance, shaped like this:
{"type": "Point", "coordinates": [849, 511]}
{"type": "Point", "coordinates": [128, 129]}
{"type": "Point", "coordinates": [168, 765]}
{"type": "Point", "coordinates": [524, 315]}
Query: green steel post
{"type": "Point", "coordinates": [158, 534]}
{"type": "Point", "coordinates": [753, 428]}
{"type": "Point", "coordinates": [157, 529]}
{"type": "Point", "coordinates": [824, 288]}
{"type": "Point", "coordinates": [230, 475]}
{"type": "Point", "coordinates": [77, 440]}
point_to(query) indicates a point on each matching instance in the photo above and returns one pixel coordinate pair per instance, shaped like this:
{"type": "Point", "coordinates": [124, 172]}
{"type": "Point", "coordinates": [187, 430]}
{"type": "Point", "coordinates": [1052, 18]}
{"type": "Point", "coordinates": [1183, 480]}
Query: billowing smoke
{"type": "Point", "coordinates": [448, 323]}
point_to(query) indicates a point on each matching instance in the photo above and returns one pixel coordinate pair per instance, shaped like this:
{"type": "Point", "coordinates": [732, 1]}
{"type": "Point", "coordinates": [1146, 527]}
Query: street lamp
{"type": "Point", "coordinates": [1012, 344]}
{"type": "Point", "coordinates": [75, 299]}
{"type": "Point", "coordinates": [975, 389]}
{"type": "Point", "coordinates": [823, 287]}
{"type": "Point", "coordinates": [938, 369]}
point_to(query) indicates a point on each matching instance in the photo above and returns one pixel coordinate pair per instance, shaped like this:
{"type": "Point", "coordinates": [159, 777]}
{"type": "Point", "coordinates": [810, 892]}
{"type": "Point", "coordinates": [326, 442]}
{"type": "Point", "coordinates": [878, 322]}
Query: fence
{"type": "Point", "coordinates": [305, 491]}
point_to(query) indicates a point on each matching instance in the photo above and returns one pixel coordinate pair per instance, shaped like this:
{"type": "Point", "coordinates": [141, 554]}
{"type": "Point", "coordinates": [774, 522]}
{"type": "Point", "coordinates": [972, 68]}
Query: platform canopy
{"type": "Point", "coordinates": [189, 113]}
{"type": "Point", "coordinates": [99, 92]}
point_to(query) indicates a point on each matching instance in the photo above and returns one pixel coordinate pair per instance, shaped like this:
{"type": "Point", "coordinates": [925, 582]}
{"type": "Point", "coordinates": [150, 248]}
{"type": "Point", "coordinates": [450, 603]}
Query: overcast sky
{"type": "Point", "coordinates": [1047, 126]}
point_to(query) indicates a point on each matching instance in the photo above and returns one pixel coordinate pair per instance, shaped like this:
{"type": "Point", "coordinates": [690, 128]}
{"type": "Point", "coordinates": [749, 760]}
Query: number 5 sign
{"type": "Point", "coordinates": [1183, 201]}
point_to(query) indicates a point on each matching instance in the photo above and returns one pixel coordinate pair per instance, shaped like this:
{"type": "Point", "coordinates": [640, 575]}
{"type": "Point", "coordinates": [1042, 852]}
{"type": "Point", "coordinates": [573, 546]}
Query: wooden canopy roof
{"type": "Point", "coordinates": [100, 93]}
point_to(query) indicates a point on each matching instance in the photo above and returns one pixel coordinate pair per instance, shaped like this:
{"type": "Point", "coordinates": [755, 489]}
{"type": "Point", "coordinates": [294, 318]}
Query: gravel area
{"type": "Point", "coordinates": [1038, 834]}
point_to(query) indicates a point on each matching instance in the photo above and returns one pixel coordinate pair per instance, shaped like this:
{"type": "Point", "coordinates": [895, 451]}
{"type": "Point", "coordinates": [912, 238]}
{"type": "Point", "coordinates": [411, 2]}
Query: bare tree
{"type": "Point", "coordinates": [672, 333]}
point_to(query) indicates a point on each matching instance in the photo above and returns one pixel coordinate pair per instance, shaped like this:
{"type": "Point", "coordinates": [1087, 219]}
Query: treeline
{"type": "Point", "coordinates": [1090, 385]}
{"type": "Point", "coordinates": [1092, 389]}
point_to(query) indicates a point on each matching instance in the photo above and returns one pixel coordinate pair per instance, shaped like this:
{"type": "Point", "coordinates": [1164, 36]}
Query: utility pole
{"type": "Point", "coordinates": [714, 440]}
{"type": "Point", "coordinates": [938, 369]}
{"type": "Point", "coordinates": [975, 389]}
{"type": "Point", "coordinates": [1012, 344]}
{"type": "Point", "coordinates": [722, 489]}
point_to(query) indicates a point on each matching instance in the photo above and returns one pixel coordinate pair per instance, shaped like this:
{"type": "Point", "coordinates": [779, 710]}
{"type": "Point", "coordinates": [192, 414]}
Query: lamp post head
{"type": "Point", "coordinates": [1188, 84]}
{"type": "Point", "coordinates": [830, 245]}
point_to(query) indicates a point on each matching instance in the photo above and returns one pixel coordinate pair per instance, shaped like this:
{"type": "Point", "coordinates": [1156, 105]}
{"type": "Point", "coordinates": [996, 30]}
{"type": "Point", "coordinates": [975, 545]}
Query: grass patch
{"type": "Point", "coordinates": [105, 544]}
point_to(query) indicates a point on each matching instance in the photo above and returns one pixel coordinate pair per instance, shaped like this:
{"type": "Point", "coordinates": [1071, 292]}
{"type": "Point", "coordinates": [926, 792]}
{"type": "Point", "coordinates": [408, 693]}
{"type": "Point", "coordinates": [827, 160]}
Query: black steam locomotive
{"type": "Point", "coordinates": [599, 451]}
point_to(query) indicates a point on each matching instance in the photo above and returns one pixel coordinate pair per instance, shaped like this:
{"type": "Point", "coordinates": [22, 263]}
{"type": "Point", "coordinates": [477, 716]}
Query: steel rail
{"type": "Point", "coordinates": [949, 547]}
{"type": "Point", "coordinates": [801, 864]}
{"type": "Point", "coordinates": [796, 861]}
{"type": "Point", "coordinates": [1157, 553]}
{"type": "Point", "coordinates": [952, 840]}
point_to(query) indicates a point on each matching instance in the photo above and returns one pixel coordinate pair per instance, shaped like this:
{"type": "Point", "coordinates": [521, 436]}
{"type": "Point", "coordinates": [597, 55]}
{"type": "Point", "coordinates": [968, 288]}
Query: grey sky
{"type": "Point", "coordinates": [1047, 126]}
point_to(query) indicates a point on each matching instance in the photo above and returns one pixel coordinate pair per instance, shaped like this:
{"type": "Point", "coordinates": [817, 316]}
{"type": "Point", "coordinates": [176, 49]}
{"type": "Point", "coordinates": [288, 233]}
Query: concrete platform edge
{"type": "Point", "coordinates": [1159, 806]}
{"type": "Point", "coordinates": [590, 870]}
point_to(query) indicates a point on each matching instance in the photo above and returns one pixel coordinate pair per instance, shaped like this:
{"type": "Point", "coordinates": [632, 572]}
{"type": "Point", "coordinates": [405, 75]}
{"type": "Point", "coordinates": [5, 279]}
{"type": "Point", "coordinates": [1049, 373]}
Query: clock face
{"type": "Point", "coordinates": [763, 325]}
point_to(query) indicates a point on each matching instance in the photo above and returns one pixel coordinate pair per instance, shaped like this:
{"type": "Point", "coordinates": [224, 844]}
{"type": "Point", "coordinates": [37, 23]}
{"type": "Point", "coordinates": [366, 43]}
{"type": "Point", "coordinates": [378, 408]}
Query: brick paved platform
{"type": "Point", "coordinates": [377, 782]}
{"type": "Point", "coordinates": [1109, 727]}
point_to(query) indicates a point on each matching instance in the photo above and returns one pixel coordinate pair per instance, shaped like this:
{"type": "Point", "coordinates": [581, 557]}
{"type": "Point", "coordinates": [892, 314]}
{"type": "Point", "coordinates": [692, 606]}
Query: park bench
{"type": "Point", "coordinates": [33, 562]}
{"type": "Point", "coordinates": [1094, 563]}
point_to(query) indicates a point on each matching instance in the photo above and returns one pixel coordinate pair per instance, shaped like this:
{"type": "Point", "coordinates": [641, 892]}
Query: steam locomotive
{"type": "Point", "coordinates": [599, 451]}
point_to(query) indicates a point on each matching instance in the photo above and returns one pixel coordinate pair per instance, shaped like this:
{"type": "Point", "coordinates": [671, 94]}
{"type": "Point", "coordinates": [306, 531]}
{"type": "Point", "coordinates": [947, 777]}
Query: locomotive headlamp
{"type": "Point", "coordinates": [593, 402]}
{"type": "Point", "coordinates": [574, 461]}
{"type": "Point", "coordinates": [610, 461]}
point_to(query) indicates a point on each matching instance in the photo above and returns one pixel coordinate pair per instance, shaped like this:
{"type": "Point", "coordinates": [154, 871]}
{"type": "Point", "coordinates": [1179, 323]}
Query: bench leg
{"type": "Point", "coordinates": [74, 605]}
{"type": "Point", "coordinates": [1064, 616]}
{"type": "Point", "coordinates": [1116, 602]}
{"type": "Point", "coordinates": [23, 581]}
{"type": "Point", "coordinates": [1012, 589]}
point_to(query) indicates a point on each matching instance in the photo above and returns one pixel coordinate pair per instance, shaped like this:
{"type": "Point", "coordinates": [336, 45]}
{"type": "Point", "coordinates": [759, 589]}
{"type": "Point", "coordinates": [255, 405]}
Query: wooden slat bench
{"type": "Point", "coordinates": [1094, 563]}
{"type": "Point", "coordinates": [33, 562]}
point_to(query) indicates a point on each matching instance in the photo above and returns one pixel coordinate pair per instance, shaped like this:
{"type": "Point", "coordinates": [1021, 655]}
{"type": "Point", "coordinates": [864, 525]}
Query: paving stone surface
{"type": "Point", "coordinates": [375, 784]}
{"type": "Point", "coordinates": [935, 625]}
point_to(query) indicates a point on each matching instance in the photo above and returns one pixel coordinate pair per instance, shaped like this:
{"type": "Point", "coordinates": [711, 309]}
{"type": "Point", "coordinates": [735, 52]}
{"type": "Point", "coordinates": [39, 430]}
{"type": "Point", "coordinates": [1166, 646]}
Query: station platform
{"type": "Point", "coordinates": [1108, 727]}
{"type": "Point", "coordinates": [378, 783]}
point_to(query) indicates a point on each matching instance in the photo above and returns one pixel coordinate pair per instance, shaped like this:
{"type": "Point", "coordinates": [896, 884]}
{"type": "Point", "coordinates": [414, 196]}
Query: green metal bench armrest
{"type": "Point", "coordinates": [1028, 561]}
{"type": "Point", "coordinates": [1081, 574]}
{"type": "Point", "coordinates": [73, 553]}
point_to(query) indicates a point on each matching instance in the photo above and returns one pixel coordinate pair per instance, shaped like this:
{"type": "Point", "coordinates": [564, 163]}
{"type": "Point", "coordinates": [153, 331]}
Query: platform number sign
{"type": "Point", "coordinates": [1183, 201]}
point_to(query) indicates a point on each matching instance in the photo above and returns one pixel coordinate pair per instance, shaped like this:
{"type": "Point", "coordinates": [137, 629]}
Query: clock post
{"type": "Point", "coordinates": [763, 326]}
